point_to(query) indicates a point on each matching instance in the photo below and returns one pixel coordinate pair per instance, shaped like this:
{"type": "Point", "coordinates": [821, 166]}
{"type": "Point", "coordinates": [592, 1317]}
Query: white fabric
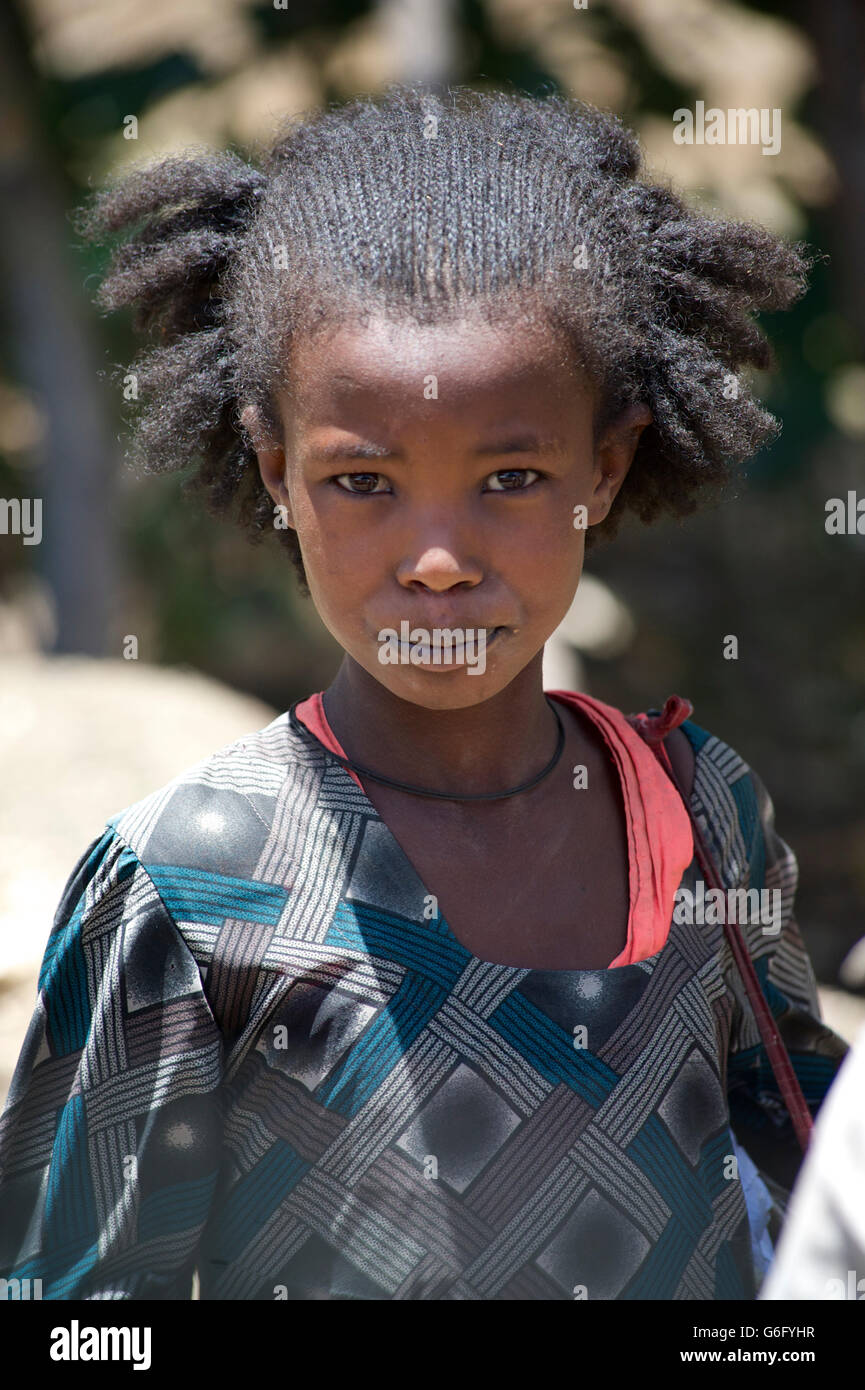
{"type": "Point", "coordinates": [821, 1250]}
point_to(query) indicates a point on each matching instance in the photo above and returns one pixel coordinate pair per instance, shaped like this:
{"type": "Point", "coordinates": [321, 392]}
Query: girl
{"type": "Point", "coordinates": [393, 999]}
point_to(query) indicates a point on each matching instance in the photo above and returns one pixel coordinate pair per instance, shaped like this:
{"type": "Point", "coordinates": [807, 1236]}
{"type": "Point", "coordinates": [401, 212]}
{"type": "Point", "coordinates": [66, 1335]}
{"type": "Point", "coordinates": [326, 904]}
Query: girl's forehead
{"type": "Point", "coordinates": [468, 354]}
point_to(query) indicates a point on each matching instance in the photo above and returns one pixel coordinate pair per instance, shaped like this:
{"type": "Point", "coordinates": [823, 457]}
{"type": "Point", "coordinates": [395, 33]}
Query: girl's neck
{"type": "Point", "coordinates": [485, 747]}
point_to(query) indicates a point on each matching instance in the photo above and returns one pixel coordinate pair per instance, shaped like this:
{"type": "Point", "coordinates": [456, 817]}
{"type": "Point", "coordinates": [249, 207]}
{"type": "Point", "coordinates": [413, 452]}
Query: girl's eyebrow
{"type": "Point", "coordinates": [526, 442]}
{"type": "Point", "coordinates": [520, 443]}
{"type": "Point", "coordinates": [352, 451]}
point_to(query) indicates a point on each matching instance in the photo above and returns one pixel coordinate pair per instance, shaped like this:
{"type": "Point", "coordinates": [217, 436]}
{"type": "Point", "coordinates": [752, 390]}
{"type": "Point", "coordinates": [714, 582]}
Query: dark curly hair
{"type": "Point", "coordinates": [428, 204]}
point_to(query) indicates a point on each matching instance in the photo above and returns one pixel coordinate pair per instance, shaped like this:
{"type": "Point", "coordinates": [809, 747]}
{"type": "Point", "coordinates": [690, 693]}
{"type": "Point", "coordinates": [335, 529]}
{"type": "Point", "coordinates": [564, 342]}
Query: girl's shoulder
{"type": "Point", "coordinates": [730, 802]}
{"type": "Point", "coordinates": [727, 797]}
{"type": "Point", "coordinates": [218, 814]}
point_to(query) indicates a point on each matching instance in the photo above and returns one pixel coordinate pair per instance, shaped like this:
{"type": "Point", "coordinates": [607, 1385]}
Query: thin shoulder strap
{"type": "Point", "coordinates": [653, 728]}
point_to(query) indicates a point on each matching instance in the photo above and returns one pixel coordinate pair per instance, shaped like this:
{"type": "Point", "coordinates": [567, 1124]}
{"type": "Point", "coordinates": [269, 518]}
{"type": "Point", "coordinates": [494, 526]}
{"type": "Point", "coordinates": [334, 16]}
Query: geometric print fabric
{"type": "Point", "coordinates": [254, 1055]}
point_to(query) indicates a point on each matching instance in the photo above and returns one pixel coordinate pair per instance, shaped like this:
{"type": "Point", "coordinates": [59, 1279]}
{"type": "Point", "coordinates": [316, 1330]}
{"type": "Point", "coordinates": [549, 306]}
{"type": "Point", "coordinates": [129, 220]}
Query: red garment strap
{"type": "Point", "coordinates": [654, 729]}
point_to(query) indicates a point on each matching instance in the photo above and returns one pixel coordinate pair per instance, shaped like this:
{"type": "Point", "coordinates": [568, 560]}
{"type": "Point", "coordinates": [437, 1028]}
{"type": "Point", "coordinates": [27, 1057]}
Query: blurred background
{"type": "Point", "coordinates": [223, 640]}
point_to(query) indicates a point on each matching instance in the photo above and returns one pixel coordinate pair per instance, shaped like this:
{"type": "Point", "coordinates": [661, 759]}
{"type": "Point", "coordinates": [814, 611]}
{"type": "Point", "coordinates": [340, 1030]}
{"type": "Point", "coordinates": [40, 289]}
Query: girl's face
{"type": "Point", "coordinates": [434, 475]}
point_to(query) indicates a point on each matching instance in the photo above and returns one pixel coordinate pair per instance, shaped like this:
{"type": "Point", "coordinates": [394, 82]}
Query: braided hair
{"type": "Point", "coordinates": [428, 204]}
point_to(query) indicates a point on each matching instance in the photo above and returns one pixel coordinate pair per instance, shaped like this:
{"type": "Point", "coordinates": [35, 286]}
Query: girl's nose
{"type": "Point", "coordinates": [439, 567]}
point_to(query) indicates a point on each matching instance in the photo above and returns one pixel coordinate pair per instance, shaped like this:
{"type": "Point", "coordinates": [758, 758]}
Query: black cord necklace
{"type": "Point", "coordinates": [444, 796]}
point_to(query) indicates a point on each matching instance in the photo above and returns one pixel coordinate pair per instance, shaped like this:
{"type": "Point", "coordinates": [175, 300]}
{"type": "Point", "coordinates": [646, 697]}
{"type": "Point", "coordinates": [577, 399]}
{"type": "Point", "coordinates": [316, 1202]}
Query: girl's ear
{"type": "Point", "coordinates": [615, 451]}
{"type": "Point", "coordinates": [271, 459]}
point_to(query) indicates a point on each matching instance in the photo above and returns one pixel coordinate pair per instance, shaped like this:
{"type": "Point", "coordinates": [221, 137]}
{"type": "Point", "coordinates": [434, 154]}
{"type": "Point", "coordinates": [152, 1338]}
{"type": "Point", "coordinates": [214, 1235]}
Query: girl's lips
{"type": "Point", "coordinates": [428, 664]}
{"type": "Point", "coordinates": [491, 634]}
{"type": "Point", "coordinates": [414, 624]}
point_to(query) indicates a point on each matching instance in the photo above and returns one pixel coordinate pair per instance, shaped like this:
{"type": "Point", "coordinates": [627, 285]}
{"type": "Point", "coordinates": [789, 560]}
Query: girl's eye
{"type": "Point", "coordinates": [512, 479]}
{"type": "Point", "coordinates": [365, 480]}
{"type": "Point", "coordinates": [503, 480]}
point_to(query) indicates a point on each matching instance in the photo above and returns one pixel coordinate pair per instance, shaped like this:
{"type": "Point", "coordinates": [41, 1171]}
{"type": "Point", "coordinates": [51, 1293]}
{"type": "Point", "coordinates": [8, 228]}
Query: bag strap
{"type": "Point", "coordinates": [653, 728]}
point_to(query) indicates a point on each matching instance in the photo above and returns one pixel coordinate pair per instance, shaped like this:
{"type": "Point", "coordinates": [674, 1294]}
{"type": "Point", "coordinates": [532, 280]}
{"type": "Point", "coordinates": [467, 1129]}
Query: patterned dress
{"type": "Point", "coordinates": [258, 1052]}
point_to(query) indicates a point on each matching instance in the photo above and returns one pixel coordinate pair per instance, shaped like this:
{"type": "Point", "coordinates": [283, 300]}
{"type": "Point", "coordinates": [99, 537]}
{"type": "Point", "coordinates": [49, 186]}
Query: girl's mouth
{"type": "Point", "coordinates": [477, 642]}
{"type": "Point", "coordinates": [474, 636]}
